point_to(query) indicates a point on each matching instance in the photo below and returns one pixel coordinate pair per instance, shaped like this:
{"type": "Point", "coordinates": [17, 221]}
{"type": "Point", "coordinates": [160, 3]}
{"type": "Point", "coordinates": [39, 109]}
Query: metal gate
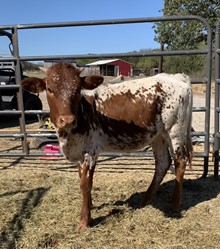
{"type": "Point", "coordinates": [217, 102]}
{"type": "Point", "coordinates": [23, 135]}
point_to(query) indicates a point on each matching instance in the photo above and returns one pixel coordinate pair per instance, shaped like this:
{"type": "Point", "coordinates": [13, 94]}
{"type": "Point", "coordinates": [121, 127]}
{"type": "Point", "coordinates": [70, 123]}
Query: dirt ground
{"type": "Point", "coordinates": [40, 202]}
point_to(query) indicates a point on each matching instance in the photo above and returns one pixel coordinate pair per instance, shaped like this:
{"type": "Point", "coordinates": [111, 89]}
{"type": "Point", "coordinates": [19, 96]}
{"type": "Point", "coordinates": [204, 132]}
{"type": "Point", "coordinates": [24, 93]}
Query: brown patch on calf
{"type": "Point", "coordinates": [158, 88]}
{"type": "Point", "coordinates": [140, 111]}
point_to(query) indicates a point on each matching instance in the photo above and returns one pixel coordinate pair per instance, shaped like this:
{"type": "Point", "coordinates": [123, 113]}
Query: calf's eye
{"type": "Point", "coordinates": [49, 90]}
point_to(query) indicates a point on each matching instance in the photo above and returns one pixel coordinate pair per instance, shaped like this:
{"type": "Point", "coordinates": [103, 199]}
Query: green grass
{"type": "Point", "coordinates": [39, 74]}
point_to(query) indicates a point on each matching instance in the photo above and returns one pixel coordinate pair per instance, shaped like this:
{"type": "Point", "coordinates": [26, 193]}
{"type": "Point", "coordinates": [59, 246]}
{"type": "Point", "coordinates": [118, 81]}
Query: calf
{"type": "Point", "coordinates": [91, 117]}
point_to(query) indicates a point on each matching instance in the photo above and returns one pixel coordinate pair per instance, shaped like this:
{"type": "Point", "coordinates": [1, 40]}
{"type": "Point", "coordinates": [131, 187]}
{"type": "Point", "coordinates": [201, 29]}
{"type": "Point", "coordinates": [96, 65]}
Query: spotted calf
{"type": "Point", "coordinates": [91, 117]}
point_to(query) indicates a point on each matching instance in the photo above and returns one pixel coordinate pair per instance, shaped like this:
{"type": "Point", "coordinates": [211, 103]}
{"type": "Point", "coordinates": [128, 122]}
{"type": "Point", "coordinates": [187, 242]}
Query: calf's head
{"type": "Point", "coordinates": [62, 85]}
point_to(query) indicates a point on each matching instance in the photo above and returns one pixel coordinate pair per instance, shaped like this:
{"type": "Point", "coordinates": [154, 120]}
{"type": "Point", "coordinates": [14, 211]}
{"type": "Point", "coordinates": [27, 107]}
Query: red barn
{"type": "Point", "coordinates": [112, 67]}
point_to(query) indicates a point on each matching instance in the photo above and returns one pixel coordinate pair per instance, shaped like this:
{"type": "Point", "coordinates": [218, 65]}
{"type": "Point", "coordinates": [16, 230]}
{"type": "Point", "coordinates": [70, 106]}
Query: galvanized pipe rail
{"type": "Point", "coordinates": [17, 59]}
{"type": "Point", "coordinates": [217, 103]}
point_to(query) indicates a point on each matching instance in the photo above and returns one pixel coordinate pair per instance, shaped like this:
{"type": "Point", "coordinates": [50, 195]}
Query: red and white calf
{"type": "Point", "coordinates": [91, 117]}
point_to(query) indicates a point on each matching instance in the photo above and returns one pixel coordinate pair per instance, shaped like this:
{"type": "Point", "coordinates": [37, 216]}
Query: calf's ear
{"type": "Point", "coordinates": [33, 84]}
{"type": "Point", "coordinates": [91, 82]}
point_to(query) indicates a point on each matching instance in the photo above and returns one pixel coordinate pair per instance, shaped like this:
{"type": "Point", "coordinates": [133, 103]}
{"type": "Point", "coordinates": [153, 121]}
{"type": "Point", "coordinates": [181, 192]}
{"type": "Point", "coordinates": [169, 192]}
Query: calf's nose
{"type": "Point", "coordinates": [65, 121]}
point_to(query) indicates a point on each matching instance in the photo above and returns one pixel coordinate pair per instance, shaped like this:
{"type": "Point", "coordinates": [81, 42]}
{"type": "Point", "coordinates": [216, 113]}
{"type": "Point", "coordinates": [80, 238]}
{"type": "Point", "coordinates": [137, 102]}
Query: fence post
{"type": "Point", "coordinates": [217, 100]}
{"type": "Point", "coordinates": [20, 92]}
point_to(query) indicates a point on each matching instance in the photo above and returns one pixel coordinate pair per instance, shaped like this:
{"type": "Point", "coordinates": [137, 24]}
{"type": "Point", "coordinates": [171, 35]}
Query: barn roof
{"type": "Point", "coordinates": [103, 62]}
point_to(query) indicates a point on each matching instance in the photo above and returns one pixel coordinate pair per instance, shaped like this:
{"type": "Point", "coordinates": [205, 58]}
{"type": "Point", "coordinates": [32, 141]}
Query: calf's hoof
{"type": "Point", "coordinates": [83, 225]}
{"type": "Point", "coordinates": [145, 202]}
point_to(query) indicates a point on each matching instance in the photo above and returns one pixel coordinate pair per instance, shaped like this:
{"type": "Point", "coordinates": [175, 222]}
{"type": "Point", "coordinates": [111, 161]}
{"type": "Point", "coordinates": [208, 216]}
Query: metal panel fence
{"type": "Point", "coordinates": [217, 102]}
{"type": "Point", "coordinates": [23, 134]}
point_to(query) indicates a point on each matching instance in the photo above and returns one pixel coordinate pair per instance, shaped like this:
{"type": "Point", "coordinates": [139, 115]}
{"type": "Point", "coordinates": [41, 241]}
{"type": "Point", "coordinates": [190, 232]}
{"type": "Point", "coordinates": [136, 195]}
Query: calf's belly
{"type": "Point", "coordinates": [129, 144]}
{"type": "Point", "coordinates": [73, 149]}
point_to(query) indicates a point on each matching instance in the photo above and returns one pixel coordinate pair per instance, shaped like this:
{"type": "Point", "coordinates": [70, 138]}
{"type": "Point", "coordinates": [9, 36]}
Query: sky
{"type": "Point", "coordinates": [80, 40]}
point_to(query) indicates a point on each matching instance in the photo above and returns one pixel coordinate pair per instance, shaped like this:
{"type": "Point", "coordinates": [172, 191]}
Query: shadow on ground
{"type": "Point", "coordinates": [194, 192]}
{"type": "Point", "coordinates": [11, 234]}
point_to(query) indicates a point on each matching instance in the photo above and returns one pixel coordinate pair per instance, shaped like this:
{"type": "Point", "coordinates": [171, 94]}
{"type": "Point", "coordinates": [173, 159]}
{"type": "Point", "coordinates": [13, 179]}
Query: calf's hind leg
{"type": "Point", "coordinates": [162, 164]}
{"type": "Point", "coordinates": [180, 167]}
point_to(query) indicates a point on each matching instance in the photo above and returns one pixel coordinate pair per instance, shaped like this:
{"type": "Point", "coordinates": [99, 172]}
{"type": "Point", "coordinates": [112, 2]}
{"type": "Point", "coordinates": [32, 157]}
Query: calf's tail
{"type": "Point", "coordinates": [188, 144]}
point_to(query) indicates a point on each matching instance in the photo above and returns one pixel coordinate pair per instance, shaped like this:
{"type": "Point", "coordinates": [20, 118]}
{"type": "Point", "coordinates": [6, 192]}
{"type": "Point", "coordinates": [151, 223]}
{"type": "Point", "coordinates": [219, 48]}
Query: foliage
{"type": "Point", "coordinates": [84, 61]}
{"type": "Point", "coordinates": [144, 64]}
{"type": "Point", "coordinates": [190, 64]}
{"type": "Point", "coordinates": [187, 34]}
{"type": "Point", "coordinates": [28, 66]}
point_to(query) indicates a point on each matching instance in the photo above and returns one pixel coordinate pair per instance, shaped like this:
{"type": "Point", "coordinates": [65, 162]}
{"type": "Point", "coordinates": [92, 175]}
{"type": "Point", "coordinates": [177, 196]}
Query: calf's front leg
{"type": "Point", "coordinates": [86, 171]}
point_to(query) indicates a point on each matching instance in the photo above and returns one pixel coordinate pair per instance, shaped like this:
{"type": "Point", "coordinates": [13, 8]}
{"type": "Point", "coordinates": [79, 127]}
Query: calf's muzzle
{"type": "Point", "coordinates": [65, 121]}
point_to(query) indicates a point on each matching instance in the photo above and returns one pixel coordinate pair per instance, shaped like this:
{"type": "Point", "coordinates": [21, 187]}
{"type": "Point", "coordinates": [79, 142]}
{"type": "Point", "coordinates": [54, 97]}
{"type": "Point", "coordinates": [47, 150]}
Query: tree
{"type": "Point", "coordinates": [192, 65]}
{"type": "Point", "coordinates": [28, 66]}
{"type": "Point", "coordinates": [187, 34]}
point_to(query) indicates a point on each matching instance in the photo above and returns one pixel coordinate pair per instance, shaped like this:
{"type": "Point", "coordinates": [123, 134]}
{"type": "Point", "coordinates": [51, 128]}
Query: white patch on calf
{"type": "Point", "coordinates": [72, 146]}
